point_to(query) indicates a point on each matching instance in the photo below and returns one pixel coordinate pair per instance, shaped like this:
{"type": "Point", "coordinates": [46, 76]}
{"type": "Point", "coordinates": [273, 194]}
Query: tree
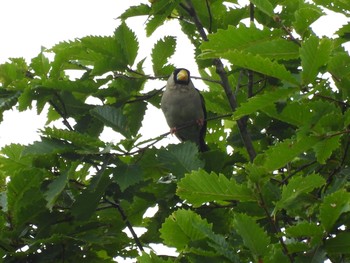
{"type": "Point", "coordinates": [273, 187]}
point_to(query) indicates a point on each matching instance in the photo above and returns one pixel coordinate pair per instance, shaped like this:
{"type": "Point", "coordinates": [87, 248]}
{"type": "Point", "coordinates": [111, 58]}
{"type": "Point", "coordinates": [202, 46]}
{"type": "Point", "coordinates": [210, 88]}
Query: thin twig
{"type": "Point", "coordinates": [63, 112]}
{"type": "Point", "coordinates": [210, 16]}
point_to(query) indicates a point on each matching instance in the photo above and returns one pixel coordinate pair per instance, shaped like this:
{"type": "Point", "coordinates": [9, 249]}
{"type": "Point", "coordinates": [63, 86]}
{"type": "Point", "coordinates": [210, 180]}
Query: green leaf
{"type": "Point", "coordinates": [314, 53]}
{"type": "Point", "coordinates": [182, 223]}
{"type": "Point", "coordinates": [284, 152]}
{"type": "Point", "coordinates": [256, 63]}
{"type": "Point", "coordinates": [297, 186]}
{"type": "Point", "coordinates": [265, 6]}
{"type": "Point", "coordinates": [332, 207]}
{"type": "Point", "coordinates": [340, 244]}
{"type": "Point", "coordinates": [180, 159]}
{"type": "Point", "coordinates": [199, 187]}
{"type": "Point", "coordinates": [128, 42]}
{"type": "Point", "coordinates": [341, 6]}
{"type": "Point", "coordinates": [162, 50]}
{"type": "Point", "coordinates": [127, 175]}
{"type": "Point", "coordinates": [56, 187]}
{"type": "Point", "coordinates": [305, 16]}
{"type": "Point", "coordinates": [151, 258]}
{"type": "Point", "coordinates": [264, 42]}
{"type": "Point", "coordinates": [306, 229]}
{"type": "Point", "coordinates": [261, 101]}
{"type": "Point", "coordinates": [47, 146]}
{"type": "Point", "coordinates": [325, 148]}
{"type": "Point", "coordinates": [139, 10]}
{"type": "Point", "coordinates": [112, 117]}
{"type": "Point", "coordinates": [41, 65]}
{"type": "Point", "coordinates": [254, 237]}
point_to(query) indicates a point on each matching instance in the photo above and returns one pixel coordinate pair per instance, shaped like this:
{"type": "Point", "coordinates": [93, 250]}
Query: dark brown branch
{"type": "Point", "coordinates": [127, 222]}
{"type": "Point", "coordinates": [62, 112]}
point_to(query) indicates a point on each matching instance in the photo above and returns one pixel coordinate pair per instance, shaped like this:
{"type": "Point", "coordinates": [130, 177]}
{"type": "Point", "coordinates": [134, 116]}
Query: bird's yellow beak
{"type": "Point", "coordinates": [182, 75]}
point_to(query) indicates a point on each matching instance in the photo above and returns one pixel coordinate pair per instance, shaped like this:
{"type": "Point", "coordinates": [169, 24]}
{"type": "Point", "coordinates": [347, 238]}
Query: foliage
{"type": "Point", "coordinates": [272, 188]}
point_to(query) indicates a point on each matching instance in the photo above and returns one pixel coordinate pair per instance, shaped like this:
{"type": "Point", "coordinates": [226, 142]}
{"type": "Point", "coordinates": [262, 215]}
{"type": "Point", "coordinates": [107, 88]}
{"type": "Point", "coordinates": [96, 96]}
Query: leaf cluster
{"type": "Point", "coordinates": [274, 186]}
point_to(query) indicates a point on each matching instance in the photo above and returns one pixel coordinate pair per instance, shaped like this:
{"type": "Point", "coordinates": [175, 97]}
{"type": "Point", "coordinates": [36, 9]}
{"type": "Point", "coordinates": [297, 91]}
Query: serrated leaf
{"type": "Point", "coordinates": [127, 175]}
{"type": "Point", "coordinates": [264, 42]}
{"type": "Point", "coordinates": [128, 42]}
{"type": "Point", "coordinates": [304, 229]}
{"type": "Point", "coordinates": [41, 65]}
{"type": "Point", "coordinates": [325, 148]}
{"type": "Point", "coordinates": [265, 6]}
{"type": "Point", "coordinates": [180, 159]}
{"type": "Point", "coordinates": [254, 237]}
{"type": "Point", "coordinates": [340, 244]}
{"type": "Point", "coordinates": [256, 63]}
{"type": "Point", "coordinates": [284, 152]}
{"type": "Point", "coordinates": [139, 10]}
{"type": "Point", "coordinates": [47, 146]}
{"type": "Point", "coordinates": [305, 16]}
{"type": "Point", "coordinates": [181, 222]}
{"type": "Point", "coordinates": [314, 53]}
{"type": "Point", "coordinates": [261, 101]}
{"type": "Point", "coordinates": [199, 187]}
{"type": "Point", "coordinates": [332, 207]}
{"type": "Point", "coordinates": [341, 6]}
{"type": "Point", "coordinates": [297, 186]}
{"type": "Point", "coordinates": [112, 117]}
{"type": "Point", "coordinates": [161, 52]}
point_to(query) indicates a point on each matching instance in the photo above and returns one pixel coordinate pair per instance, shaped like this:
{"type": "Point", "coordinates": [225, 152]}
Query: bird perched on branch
{"type": "Point", "coordinates": [184, 109]}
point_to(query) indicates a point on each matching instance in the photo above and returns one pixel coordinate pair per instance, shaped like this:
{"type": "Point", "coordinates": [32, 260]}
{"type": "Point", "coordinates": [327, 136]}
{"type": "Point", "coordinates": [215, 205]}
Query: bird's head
{"type": "Point", "coordinates": [181, 76]}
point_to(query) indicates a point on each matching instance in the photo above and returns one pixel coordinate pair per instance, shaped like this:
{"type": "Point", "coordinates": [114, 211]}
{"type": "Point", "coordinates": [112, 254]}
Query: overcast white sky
{"type": "Point", "coordinates": [26, 26]}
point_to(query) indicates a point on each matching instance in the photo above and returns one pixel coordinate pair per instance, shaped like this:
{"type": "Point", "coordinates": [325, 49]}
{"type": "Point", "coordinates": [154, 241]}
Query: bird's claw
{"type": "Point", "coordinates": [173, 130]}
{"type": "Point", "coordinates": [200, 122]}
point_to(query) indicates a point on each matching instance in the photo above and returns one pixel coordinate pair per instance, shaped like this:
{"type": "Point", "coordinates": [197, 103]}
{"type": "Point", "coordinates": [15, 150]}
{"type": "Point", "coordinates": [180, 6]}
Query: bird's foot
{"type": "Point", "coordinates": [200, 122]}
{"type": "Point", "coordinates": [173, 130]}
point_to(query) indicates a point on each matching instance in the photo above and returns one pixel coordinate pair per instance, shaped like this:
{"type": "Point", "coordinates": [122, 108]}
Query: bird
{"type": "Point", "coordinates": [184, 109]}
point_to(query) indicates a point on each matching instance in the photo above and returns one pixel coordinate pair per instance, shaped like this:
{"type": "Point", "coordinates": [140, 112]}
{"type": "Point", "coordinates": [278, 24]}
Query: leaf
{"type": "Point", "coordinates": [256, 63]}
{"type": "Point", "coordinates": [265, 6]}
{"type": "Point", "coordinates": [132, 11]}
{"type": "Point", "coordinates": [180, 159]}
{"type": "Point", "coordinates": [56, 187]}
{"type": "Point", "coordinates": [297, 186]}
{"type": "Point", "coordinates": [332, 207]}
{"type": "Point", "coordinates": [265, 43]}
{"type": "Point", "coordinates": [181, 222]}
{"type": "Point", "coordinates": [254, 237]}
{"type": "Point", "coordinates": [41, 65]}
{"type": "Point", "coordinates": [128, 42]}
{"type": "Point", "coordinates": [284, 152]}
{"type": "Point", "coordinates": [151, 258]}
{"type": "Point", "coordinates": [325, 148]}
{"type": "Point", "coordinates": [47, 146]}
{"type": "Point", "coordinates": [112, 117]}
{"type": "Point", "coordinates": [341, 6]}
{"type": "Point", "coordinates": [306, 229]}
{"type": "Point", "coordinates": [162, 50]}
{"type": "Point", "coordinates": [314, 53]}
{"type": "Point", "coordinates": [305, 16]}
{"type": "Point", "coordinates": [127, 175]}
{"type": "Point", "coordinates": [261, 101]}
{"type": "Point", "coordinates": [340, 244]}
{"type": "Point", "coordinates": [199, 187]}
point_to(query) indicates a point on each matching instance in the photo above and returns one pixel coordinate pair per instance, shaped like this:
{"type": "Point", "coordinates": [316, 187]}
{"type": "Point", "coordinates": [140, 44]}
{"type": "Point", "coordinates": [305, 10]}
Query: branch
{"type": "Point", "coordinates": [63, 112]}
{"type": "Point", "coordinates": [127, 222]}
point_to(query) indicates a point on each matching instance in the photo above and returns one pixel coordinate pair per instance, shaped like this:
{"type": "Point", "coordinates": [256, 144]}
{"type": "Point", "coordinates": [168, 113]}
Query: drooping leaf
{"type": "Point", "coordinates": [254, 237]}
{"type": "Point", "coordinates": [325, 148]}
{"type": "Point", "coordinates": [297, 186]}
{"type": "Point", "coordinates": [305, 16]}
{"type": "Point", "coordinates": [332, 207]}
{"type": "Point", "coordinates": [199, 187]}
{"type": "Point", "coordinates": [340, 244]}
{"type": "Point", "coordinates": [265, 6]}
{"type": "Point", "coordinates": [139, 10]}
{"type": "Point", "coordinates": [180, 159]}
{"type": "Point", "coordinates": [314, 53]}
{"type": "Point", "coordinates": [127, 175]}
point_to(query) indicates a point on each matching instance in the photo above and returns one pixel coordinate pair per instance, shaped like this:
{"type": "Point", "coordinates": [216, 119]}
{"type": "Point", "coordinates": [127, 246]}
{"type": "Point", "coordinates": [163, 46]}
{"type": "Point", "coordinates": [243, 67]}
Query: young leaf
{"type": "Point", "coordinates": [139, 10]}
{"type": "Point", "coordinates": [161, 52]}
{"type": "Point", "coordinates": [199, 187]}
{"type": "Point", "coordinates": [305, 16]}
{"type": "Point", "coordinates": [127, 175]}
{"type": "Point", "coordinates": [325, 148]}
{"type": "Point", "coordinates": [254, 237]}
{"type": "Point", "coordinates": [332, 207]}
{"type": "Point", "coordinates": [314, 53]}
{"type": "Point", "coordinates": [181, 222]}
{"type": "Point", "coordinates": [297, 186]}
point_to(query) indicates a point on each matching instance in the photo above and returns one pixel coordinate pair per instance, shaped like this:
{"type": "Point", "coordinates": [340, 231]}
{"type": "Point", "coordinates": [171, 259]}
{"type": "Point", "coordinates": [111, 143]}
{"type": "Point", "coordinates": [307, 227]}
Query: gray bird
{"type": "Point", "coordinates": [183, 105]}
